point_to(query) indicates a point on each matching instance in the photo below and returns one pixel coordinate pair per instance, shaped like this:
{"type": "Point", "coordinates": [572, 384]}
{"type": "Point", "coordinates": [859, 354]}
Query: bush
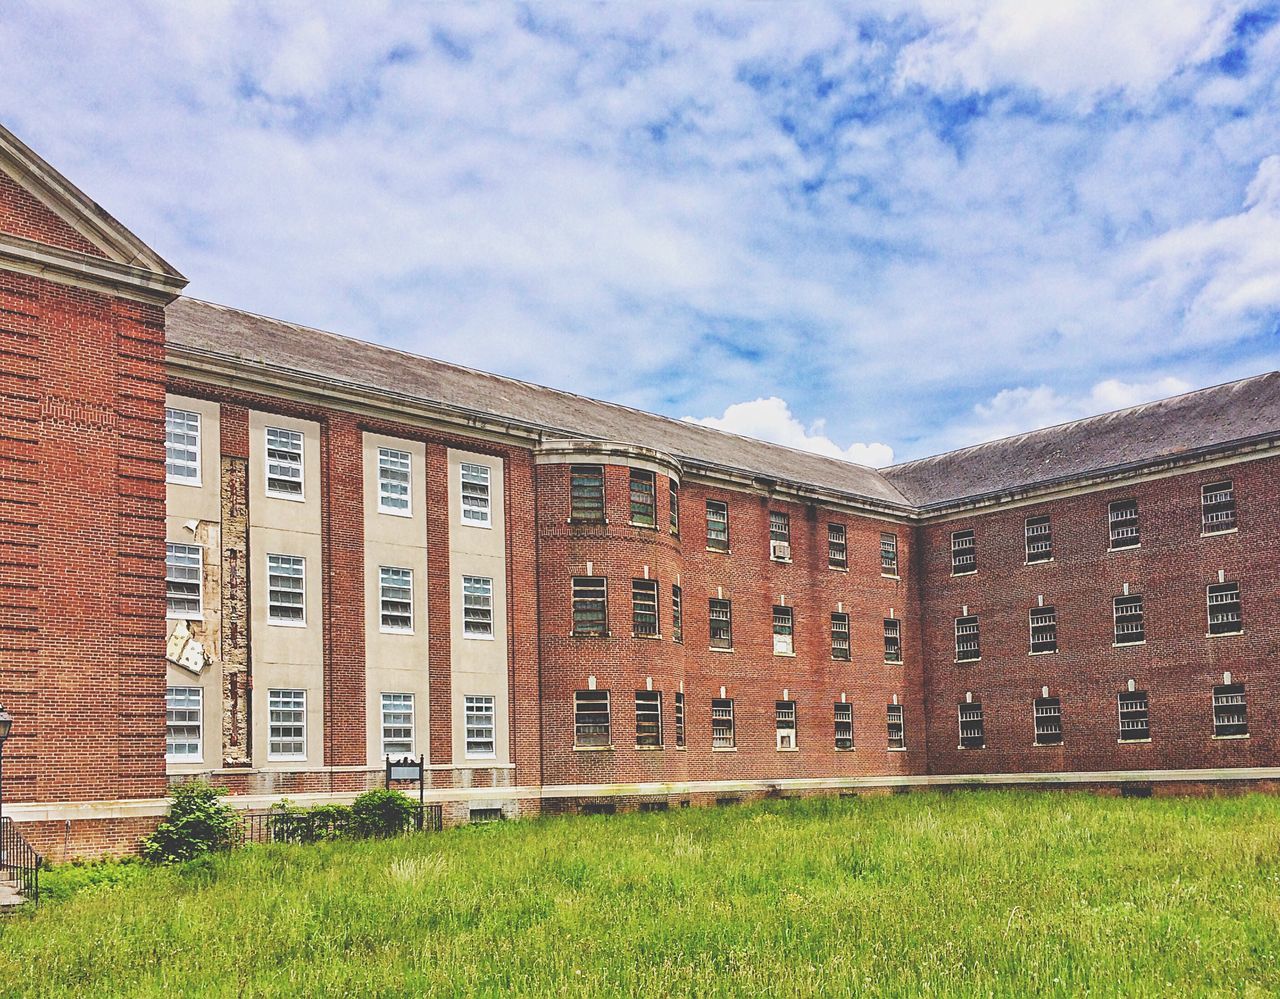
{"type": "Point", "coordinates": [292, 824]}
{"type": "Point", "coordinates": [62, 881]}
{"type": "Point", "coordinates": [198, 823]}
{"type": "Point", "coordinates": [382, 812]}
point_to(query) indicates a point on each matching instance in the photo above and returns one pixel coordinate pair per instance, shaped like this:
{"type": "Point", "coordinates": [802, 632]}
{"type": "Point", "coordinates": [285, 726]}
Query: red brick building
{"type": "Point", "coordinates": [270, 556]}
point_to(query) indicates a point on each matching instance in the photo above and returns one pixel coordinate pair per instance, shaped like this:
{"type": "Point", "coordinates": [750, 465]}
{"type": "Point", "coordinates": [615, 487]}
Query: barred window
{"type": "Point", "coordinates": [1225, 616]}
{"type": "Point", "coordinates": [721, 617]}
{"type": "Point", "coordinates": [897, 728]}
{"type": "Point", "coordinates": [968, 639]}
{"type": "Point", "coordinates": [476, 510]}
{"type": "Point", "coordinates": [1127, 614]}
{"type": "Point", "coordinates": [888, 554]}
{"type": "Point", "coordinates": [1229, 715]}
{"type": "Point", "coordinates": [837, 547]}
{"type": "Point", "coordinates": [182, 447]}
{"type": "Point", "coordinates": [649, 718]}
{"type": "Point", "coordinates": [287, 590]}
{"type": "Point", "coordinates": [840, 648]}
{"type": "Point", "coordinates": [287, 725]}
{"type": "Point", "coordinates": [964, 553]}
{"type": "Point", "coordinates": [644, 608]}
{"type": "Point", "coordinates": [395, 599]}
{"type": "Point", "coordinates": [183, 569]}
{"type": "Point", "coordinates": [1044, 629]}
{"type": "Point", "coordinates": [779, 526]}
{"type": "Point", "coordinates": [971, 735]}
{"type": "Point", "coordinates": [722, 735]}
{"type": "Point", "coordinates": [717, 526]}
{"type": "Point", "coordinates": [1048, 721]}
{"type": "Point", "coordinates": [397, 725]}
{"type": "Point", "coordinates": [183, 724]}
{"type": "Point", "coordinates": [586, 493]}
{"type": "Point", "coordinates": [1039, 540]}
{"type": "Point", "coordinates": [784, 713]}
{"type": "Point", "coordinates": [480, 726]}
{"type": "Point", "coordinates": [393, 481]}
{"type": "Point", "coordinates": [892, 640]}
{"type": "Point", "coordinates": [1135, 722]}
{"type": "Point", "coordinates": [644, 502]}
{"type": "Point", "coordinates": [783, 632]}
{"type": "Point", "coordinates": [1122, 519]}
{"type": "Point", "coordinates": [844, 725]}
{"type": "Point", "coordinates": [679, 720]}
{"type": "Point", "coordinates": [673, 494]}
{"type": "Point", "coordinates": [477, 607]}
{"type": "Point", "coordinates": [284, 463]}
{"type": "Point", "coordinates": [589, 608]}
{"type": "Point", "coordinates": [1217, 508]}
{"type": "Point", "coordinates": [591, 718]}
{"type": "Point", "coordinates": [677, 613]}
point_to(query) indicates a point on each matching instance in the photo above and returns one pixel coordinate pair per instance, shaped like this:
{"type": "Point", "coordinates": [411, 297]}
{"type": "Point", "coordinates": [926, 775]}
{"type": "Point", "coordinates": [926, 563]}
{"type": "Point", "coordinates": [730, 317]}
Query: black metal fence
{"type": "Point", "coordinates": [19, 861]}
{"type": "Point", "coordinates": [319, 825]}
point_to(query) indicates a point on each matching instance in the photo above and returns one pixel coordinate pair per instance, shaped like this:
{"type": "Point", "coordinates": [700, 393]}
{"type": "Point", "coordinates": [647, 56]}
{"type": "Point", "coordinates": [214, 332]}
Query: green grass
{"type": "Point", "coordinates": [978, 893]}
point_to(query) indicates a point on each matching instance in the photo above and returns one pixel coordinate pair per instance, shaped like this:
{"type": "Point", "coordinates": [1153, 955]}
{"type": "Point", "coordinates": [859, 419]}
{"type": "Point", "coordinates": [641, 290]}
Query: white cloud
{"type": "Point", "coordinates": [771, 420]}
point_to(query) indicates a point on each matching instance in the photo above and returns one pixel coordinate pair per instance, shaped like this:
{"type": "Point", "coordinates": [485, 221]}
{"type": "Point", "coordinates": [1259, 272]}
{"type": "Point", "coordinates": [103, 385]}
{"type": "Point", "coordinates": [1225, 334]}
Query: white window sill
{"type": "Point", "coordinates": [286, 624]}
{"type": "Point", "coordinates": [838, 568]}
{"type": "Point", "coordinates": [586, 522]}
{"type": "Point", "coordinates": [792, 749]}
{"type": "Point", "coordinates": [1044, 652]}
{"type": "Point", "coordinates": [728, 650]}
{"type": "Point", "coordinates": [395, 631]}
{"type": "Point", "coordinates": [1216, 534]}
{"type": "Point", "coordinates": [1048, 745]}
{"type": "Point", "coordinates": [286, 759]}
{"type": "Point", "coordinates": [841, 659]}
{"type": "Point", "coordinates": [1132, 742]}
{"type": "Point", "coordinates": [475, 638]}
{"type": "Point", "coordinates": [720, 551]}
{"type": "Point", "coordinates": [724, 749]}
{"type": "Point", "coordinates": [889, 575]}
{"type": "Point", "coordinates": [395, 513]}
{"type": "Point", "coordinates": [1130, 548]}
{"type": "Point", "coordinates": [850, 749]}
{"type": "Point", "coordinates": [968, 749]}
{"type": "Point", "coordinates": [606, 634]}
{"type": "Point", "coordinates": [644, 527]}
{"type": "Point", "coordinates": [967, 662]}
{"type": "Point", "coordinates": [647, 638]}
{"type": "Point", "coordinates": [650, 749]}
{"type": "Point", "coordinates": [1224, 634]}
{"type": "Point", "coordinates": [199, 616]}
{"type": "Point", "coordinates": [471, 523]}
{"type": "Point", "coordinates": [593, 749]}
{"type": "Point", "coordinates": [893, 662]}
{"type": "Point", "coordinates": [197, 483]}
{"type": "Point", "coordinates": [198, 761]}
{"type": "Point", "coordinates": [1040, 561]}
{"type": "Point", "coordinates": [783, 561]}
{"type": "Point", "coordinates": [1127, 645]}
{"type": "Point", "coordinates": [287, 497]}
{"type": "Point", "coordinates": [966, 572]}
{"type": "Point", "coordinates": [1230, 738]}
{"type": "Point", "coordinates": [784, 655]}
{"type": "Point", "coordinates": [480, 756]}
{"type": "Point", "coordinates": [896, 749]}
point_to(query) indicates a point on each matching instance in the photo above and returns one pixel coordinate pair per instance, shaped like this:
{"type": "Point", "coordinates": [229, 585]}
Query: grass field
{"type": "Point", "coordinates": [998, 893]}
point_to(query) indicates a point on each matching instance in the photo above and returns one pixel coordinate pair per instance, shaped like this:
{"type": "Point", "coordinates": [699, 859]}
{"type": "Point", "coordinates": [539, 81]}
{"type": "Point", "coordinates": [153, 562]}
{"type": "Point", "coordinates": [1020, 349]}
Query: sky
{"type": "Point", "coordinates": [875, 231]}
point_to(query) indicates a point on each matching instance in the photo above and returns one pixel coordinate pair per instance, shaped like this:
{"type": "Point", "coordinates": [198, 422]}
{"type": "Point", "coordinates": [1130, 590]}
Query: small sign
{"type": "Point", "coordinates": [402, 770]}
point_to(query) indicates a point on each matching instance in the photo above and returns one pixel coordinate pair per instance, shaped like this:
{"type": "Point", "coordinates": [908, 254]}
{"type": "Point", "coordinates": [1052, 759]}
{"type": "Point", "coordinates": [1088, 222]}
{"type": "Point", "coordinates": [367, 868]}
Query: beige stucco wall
{"type": "Point", "coordinates": [479, 666]}
{"type": "Point", "coordinates": [395, 663]}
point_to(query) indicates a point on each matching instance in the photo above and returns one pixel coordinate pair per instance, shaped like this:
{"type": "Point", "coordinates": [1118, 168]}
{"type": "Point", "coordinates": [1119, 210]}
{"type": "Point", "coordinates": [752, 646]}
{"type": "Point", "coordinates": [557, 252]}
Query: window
{"type": "Point", "coordinates": [284, 463]}
{"type": "Point", "coordinates": [1044, 629]}
{"type": "Point", "coordinates": [673, 493]}
{"type": "Point", "coordinates": [1122, 519]}
{"type": "Point", "coordinates": [287, 718]}
{"type": "Point", "coordinates": [589, 606]}
{"type": "Point", "coordinates": [183, 567]}
{"type": "Point", "coordinates": [182, 447]}
{"type": "Point", "coordinates": [717, 526]}
{"type": "Point", "coordinates": [1048, 718]}
{"type": "Point", "coordinates": [679, 720]}
{"type": "Point", "coordinates": [395, 598]}
{"type": "Point", "coordinates": [837, 547]}
{"type": "Point", "coordinates": [1135, 722]}
{"type": "Point", "coordinates": [644, 498]}
{"type": "Point", "coordinates": [397, 725]}
{"type": "Point", "coordinates": [964, 553]}
{"type": "Point", "coordinates": [477, 607]}
{"type": "Point", "coordinates": [1039, 536]}
{"type": "Point", "coordinates": [475, 495]}
{"type": "Point", "coordinates": [971, 736]}
{"type": "Point", "coordinates": [1229, 717]}
{"type": "Point", "coordinates": [286, 590]}
{"type": "Point", "coordinates": [892, 640]}
{"type": "Point", "coordinates": [480, 725]}
{"type": "Point", "coordinates": [644, 608]}
{"type": "Point", "coordinates": [677, 614]}
{"type": "Point", "coordinates": [844, 726]}
{"type": "Point", "coordinates": [779, 536]}
{"type": "Point", "coordinates": [182, 724]}
{"type": "Point", "coordinates": [783, 638]}
{"type": "Point", "coordinates": [888, 554]}
{"type": "Point", "coordinates": [784, 714]}
{"type": "Point", "coordinates": [897, 729]}
{"type": "Point", "coordinates": [721, 616]}
{"type": "Point", "coordinates": [722, 736]}
{"type": "Point", "coordinates": [591, 718]}
{"type": "Point", "coordinates": [586, 494]}
{"type": "Point", "coordinates": [1217, 508]}
{"type": "Point", "coordinates": [968, 639]}
{"type": "Point", "coordinates": [840, 637]}
{"type": "Point", "coordinates": [1127, 612]}
{"type": "Point", "coordinates": [393, 481]}
{"type": "Point", "coordinates": [649, 718]}
{"type": "Point", "coordinates": [1224, 609]}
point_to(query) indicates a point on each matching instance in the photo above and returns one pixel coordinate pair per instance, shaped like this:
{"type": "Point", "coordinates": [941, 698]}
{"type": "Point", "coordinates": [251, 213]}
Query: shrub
{"type": "Point", "coordinates": [198, 823]}
{"type": "Point", "coordinates": [292, 824]}
{"type": "Point", "coordinates": [382, 812]}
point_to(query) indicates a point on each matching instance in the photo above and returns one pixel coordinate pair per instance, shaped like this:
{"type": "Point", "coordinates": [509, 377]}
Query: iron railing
{"type": "Point", "coordinates": [301, 827]}
{"type": "Point", "coordinates": [19, 861]}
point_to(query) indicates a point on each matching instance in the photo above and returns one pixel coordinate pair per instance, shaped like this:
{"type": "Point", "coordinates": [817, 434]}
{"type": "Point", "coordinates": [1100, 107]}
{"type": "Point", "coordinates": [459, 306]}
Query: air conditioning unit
{"type": "Point", "coordinates": [782, 644]}
{"type": "Point", "coordinates": [780, 550]}
{"type": "Point", "coordinates": [786, 740]}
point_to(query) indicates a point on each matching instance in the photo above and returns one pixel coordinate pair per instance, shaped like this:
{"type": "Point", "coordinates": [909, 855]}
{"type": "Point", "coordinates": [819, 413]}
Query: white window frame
{"type": "Point", "coordinates": [896, 717]}
{"type": "Point", "coordinates": [843, 715]}
{"type": "Point", "coordinates": [288, 463]}
{"type": "Point", "coordinates": [649, 710]}
{"type": "Point", "coordinates": [784, 631]}
{"type": "Point", "coordinates": [1047, 711]}
{"type": "Point", "coordinates": [971, 712]}
{"type": "Point", "coordinates": [483, 515]}
{"type": "Point", "coordinates": [383, 583]}
{"type": "Point", "coordinates": [387, 456]}
{"type": "Point", "coordinates": [480, 590]}
{"type": "Point", "coordinates": [169, 577]}
{"type": "Point", "coordinates": [169, 722]}
{"type": "Point", "coordinates": [475, 708]}
{"type": "Point", "coordinates": [722, 710]}
{"type": "Point", "coordinates": [183, 480]}
{"type": "Point", "coordinates": [297, 703]}
{"type": "Point", "coordinates": [398, 708]}
{"type": "Point", "coordinates": [786, 726]}
{"type": "Point", "coordinates": [287, 622]}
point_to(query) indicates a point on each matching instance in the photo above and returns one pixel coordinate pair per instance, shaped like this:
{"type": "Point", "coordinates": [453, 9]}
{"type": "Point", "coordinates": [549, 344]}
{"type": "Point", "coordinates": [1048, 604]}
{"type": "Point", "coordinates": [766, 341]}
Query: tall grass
{"type": "Point", "coordinates": [995, 893]}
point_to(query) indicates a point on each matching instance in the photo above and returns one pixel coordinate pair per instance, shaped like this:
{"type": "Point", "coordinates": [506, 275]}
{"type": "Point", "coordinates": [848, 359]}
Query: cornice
{"type": "Point", "coordinates": [83, 270]}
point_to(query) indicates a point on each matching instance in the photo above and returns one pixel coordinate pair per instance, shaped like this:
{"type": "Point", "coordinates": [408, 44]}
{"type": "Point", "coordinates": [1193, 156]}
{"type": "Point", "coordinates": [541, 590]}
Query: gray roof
{"type": "Point", "coordinates": [1185, 425]}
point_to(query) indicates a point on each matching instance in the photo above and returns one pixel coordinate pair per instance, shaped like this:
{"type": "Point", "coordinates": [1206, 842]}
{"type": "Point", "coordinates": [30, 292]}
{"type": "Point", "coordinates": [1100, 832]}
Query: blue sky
{"type": "Point", "coordinates": [875, 231]}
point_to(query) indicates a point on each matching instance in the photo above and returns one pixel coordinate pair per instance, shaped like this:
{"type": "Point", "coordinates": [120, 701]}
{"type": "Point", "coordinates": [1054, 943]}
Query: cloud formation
{"type": "Point", "coordinates": [771, 420]}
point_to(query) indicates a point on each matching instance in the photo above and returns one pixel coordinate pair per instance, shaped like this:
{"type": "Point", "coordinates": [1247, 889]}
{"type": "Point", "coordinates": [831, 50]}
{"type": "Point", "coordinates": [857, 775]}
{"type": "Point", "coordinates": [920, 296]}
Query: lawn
{"type": "Point", "coordinates": [976, 893]}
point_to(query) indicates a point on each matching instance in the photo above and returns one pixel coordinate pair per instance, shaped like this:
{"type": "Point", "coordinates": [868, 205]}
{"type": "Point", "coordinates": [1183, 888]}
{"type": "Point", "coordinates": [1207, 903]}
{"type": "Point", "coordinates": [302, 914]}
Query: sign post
{"type": "Point", "coordinates": [410, 769]}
